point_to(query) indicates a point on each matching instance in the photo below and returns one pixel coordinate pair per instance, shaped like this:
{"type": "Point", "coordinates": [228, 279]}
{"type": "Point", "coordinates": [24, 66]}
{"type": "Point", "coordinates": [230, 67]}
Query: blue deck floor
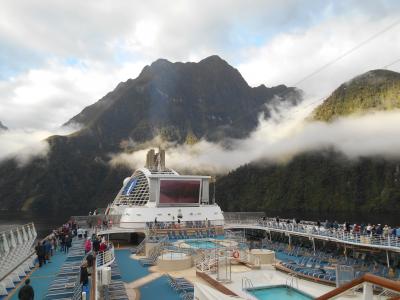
{"type": "Point", "coordinates": [42, 277]}
{"type": "Point", "coordinates": [132, 270]}
{"type": "Point", "coordinates": [158, 289]}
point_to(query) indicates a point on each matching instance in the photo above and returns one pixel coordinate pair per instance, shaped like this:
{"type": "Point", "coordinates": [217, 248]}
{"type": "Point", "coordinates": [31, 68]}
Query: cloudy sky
{"type": "Point", "coordinates": [56, 57]}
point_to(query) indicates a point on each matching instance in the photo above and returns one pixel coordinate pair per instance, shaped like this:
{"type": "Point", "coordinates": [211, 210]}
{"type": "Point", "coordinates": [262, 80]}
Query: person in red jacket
{"type": "Point", "coordinates": [88, 245]}
{"type": "Point", "coordinates": [103, 247]}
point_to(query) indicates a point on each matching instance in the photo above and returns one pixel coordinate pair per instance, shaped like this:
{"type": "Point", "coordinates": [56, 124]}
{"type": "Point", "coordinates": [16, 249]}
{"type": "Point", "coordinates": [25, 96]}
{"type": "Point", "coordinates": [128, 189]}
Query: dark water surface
{"type": "Point", "coordinates": [43, 224]}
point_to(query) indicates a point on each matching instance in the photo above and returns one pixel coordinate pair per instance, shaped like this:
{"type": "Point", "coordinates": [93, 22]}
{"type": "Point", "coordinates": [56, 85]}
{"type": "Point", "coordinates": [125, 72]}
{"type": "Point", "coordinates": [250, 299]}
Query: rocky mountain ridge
{"type": "Point", "coordinates": [179, 102]}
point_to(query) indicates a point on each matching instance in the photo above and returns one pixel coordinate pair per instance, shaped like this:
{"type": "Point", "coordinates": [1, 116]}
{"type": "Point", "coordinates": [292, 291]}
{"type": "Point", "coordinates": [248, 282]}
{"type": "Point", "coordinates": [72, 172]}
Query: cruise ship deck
{"type": "Point", "coordinates": [42, 278]}
{"type": "Point", "coordinates": [164, 236]}
{"type": "Point", "coordinates": [217, 266]}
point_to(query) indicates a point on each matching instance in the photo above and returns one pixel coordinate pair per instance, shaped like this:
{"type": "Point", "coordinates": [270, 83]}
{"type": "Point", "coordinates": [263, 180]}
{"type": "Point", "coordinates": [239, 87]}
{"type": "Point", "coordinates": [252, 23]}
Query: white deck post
{"type": "Point", "coordinates": [313, 242]}
{"type": "Point", "coordinates": [387, 259]}
{"type": "Point", "coordinates": [367, 291]}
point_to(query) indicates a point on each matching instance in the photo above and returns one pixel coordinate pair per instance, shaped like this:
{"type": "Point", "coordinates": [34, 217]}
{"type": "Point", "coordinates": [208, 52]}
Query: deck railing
{"type": "Point", "coordinates": [105, 258]}
{"type": "Point", "coordinates": [16, 246]}
{"type": "Point", "coordinates": [367, 283]}
{"type": "Point", "coordinates": [312, 230]}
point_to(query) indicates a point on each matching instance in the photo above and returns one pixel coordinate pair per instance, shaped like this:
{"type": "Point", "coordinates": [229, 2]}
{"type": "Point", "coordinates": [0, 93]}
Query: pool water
{"type": "Point", "coordinates": [203, 244]}
{"type": "Point", "coordinates": [281, 292]}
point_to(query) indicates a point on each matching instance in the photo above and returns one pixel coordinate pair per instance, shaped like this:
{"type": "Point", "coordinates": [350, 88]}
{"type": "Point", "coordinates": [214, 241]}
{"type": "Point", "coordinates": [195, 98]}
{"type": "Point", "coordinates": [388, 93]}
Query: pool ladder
{"type": "Point", "coordinates": [292, 280]}
{"type": "Point", "coordinates": [246, 283]}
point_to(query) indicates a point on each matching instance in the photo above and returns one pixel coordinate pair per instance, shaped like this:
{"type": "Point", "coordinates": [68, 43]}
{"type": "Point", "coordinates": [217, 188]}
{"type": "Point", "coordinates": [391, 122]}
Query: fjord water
{"type": "Point", "coordinates": [43, 224]}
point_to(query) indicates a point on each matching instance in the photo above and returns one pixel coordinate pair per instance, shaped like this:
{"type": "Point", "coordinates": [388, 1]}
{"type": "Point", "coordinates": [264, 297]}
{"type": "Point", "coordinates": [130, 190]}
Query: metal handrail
{"type": "Point", "coordinates": [311, 230]}
{"type": "Point", "coordinates": [367, 278]}
{"type": "Point", "coordinates": [105, 258]}
{"type": "Point", "coordinates": [291, 279]}
{"type": "Point", "coordinates": [246, 283]}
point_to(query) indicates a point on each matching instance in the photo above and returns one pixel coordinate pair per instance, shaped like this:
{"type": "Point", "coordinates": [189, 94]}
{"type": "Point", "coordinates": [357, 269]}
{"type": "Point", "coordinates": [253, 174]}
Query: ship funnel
{"type": "Point", "coordinates": [155, 161]}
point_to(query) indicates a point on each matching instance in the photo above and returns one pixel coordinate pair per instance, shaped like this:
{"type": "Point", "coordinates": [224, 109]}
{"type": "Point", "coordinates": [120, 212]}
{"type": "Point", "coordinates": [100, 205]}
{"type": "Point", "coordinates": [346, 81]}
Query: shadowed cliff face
{"type": "Point", "coordinates": [209, 99]}
{"type": "Point", "coordinates": [177, 101]}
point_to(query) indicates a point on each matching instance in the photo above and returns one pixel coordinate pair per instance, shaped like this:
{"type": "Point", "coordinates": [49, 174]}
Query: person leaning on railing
{"type": "Point", "coordinates": [90, 261]}
{"type": "Point", "coordinates": [84, 276]}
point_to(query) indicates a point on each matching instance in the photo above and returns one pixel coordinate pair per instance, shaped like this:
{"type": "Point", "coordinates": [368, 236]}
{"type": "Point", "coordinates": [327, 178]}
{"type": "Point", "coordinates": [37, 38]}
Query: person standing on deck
{"type": "Point", "coordinates": [40, 254]}
{"type": "Point", "coordinates": [47, 250]}
{"type": "Point", "coordinates": [88, 245]}
{"type": "Point", "coordinates": [96, 245]}
{"type": "Point", "coordinates": [90, 259]}
{"type": "Point", "coordinates": [80, 232]}
{"type": "Point", "coordinates": [53, 245]}
{"type": "Point", "coordinates": [26, 292]}
{"type": "Point", "coordinates": [68, 242]}
{"type": "Point", "coordinates": [103, 247]}
{"type": "Point", "coordinates": [63, 242]}
{"type": "Point", "coordinates": [84, 278]}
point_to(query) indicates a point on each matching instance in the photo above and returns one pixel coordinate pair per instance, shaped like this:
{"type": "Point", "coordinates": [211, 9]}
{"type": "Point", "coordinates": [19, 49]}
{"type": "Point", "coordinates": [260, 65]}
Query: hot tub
{"type": "Point", "coordinates": [174, 261]}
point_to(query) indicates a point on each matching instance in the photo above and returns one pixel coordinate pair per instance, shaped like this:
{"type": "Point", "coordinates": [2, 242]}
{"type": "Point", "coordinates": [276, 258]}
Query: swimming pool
{"type": "Point", "coordinates": [282, 292]}
{"type": "Point", "coordinates": [206, 244]}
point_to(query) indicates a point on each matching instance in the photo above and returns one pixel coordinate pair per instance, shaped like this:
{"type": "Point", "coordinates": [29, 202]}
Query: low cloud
{"type": "Point", "coordinates": [47, 97]}
{"type": "Point", "coordinates": [291, 56]}
{"type": "Point", "coordinates": [25, 144]}
{"type": "Point", "coordinates": [282, 137]}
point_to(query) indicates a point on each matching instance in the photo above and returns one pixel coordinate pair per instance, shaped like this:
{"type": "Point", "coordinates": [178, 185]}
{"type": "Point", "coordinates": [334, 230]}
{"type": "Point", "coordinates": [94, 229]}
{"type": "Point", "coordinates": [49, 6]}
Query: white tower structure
{"type": "Point", "coordinates": [159, 193]}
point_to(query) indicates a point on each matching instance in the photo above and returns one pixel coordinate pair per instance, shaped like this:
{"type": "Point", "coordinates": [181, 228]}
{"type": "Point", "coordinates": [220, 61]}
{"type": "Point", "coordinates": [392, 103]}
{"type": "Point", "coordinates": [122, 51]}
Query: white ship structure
{"type": "Point", "coordinates": [157, 194]}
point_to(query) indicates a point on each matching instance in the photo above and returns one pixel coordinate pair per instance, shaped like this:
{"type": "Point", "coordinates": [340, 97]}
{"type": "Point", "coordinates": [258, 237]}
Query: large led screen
{"type": "Point", "coordinates": [177, 192]}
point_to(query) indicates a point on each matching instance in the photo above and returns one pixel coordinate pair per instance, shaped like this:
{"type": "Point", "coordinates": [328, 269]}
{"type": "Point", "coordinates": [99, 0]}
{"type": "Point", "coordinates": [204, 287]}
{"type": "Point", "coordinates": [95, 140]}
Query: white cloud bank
{"type": "Point", "coordinates": [291, 56]}
{"type": "Point", "coordinates": [23, 145]}
{"type": "Point", "coordinates": [62, 56]}
{"type": "Point", "coordinates": [43, 99]}
{"type": "Point", "coordinates": [282, 137]}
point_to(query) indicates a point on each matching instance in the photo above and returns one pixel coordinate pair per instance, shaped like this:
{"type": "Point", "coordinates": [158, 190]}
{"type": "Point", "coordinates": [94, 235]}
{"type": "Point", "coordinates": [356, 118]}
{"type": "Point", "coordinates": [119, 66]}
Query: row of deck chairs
{"type": "Point", "coordinates": [197, 224]}
{"type": "Point", "coordinates": [116, 290]}
{"type": "Point", "coordinates": [182, 286]}
{"type": "Point", "coordinates": [330, 259]}
{"type": "Point", "coordinates": [67, 284]}
{"type": "Point", "coordinates": [308, 263]}
{"type": "Point", "coordinates": [77, 251]}
{"type": "Point", "coordinates": [170, 225]}
{"type": "Point", "coordinates": [182, 234]}
{"type": "Point", "coordinates": [311, 267]}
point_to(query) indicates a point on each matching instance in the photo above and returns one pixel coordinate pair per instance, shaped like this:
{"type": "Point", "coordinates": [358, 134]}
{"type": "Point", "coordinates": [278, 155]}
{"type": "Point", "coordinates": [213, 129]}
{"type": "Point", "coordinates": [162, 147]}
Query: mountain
{"type": "Point", "coordinates": [209, 99]}
{"type": "Point", "coordinates": [326, 184]}
{"type": "Point", "coordinates": [2, 127]}
{"type": "Point", "coordinates": [316, 185]}
{"type": "Point", "coordinates": [371, 91]}
{"type": "Point", "coordinates": [180, 102]}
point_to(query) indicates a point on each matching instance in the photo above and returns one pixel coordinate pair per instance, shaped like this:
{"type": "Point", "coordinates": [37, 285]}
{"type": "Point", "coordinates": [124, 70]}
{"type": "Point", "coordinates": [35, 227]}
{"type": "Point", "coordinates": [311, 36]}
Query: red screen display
{"type": "Point", "coordinates": [179, 191]}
